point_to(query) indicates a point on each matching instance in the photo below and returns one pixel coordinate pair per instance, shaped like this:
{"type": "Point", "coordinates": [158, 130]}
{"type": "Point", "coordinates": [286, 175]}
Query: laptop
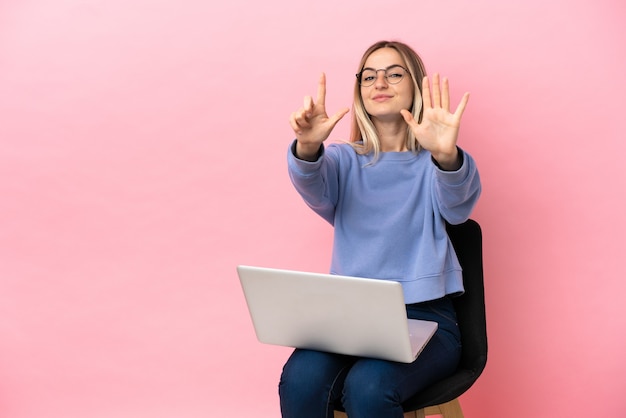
{"type": "Point", "coordinates": [338, 314]}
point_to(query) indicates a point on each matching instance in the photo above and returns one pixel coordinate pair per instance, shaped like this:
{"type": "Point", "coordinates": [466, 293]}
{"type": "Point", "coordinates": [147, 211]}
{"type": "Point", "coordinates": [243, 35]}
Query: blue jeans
{"type": "Point", "coordinates": [312, 382]}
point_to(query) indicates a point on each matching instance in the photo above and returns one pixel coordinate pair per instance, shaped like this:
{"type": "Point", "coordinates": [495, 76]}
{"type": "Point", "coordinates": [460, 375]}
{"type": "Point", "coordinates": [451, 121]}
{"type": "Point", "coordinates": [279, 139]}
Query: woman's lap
{"type": "Point", "coordinates": [312, 382]}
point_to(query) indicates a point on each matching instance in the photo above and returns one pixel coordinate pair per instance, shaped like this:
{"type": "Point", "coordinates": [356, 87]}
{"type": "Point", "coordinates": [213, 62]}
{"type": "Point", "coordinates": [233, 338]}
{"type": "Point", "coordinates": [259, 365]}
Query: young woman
{"type": "Point", "coordinates": [388, 193]}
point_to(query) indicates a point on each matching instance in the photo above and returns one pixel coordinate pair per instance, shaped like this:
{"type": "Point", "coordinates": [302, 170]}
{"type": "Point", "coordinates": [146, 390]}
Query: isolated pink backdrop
{"type": "Point", "coordinates": [142, 157]}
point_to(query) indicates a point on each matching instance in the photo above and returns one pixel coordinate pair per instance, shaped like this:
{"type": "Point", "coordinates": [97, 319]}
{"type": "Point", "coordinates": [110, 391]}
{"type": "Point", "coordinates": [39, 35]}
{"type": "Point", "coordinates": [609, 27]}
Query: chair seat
{"type": "Point", "coordinates": [443, 391]}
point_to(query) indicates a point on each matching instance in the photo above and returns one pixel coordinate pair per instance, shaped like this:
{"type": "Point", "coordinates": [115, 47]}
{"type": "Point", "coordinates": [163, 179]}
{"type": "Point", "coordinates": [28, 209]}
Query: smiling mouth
{"type": "Point", "coordinates": [381, 98]}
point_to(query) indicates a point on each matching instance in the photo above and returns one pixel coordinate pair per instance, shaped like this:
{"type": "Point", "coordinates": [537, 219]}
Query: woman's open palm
{"type": "Point", "coordinates": [439, 129]}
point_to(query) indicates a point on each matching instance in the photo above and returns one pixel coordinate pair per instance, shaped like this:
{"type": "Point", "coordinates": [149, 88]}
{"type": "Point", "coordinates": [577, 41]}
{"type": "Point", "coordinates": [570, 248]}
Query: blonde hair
{"type": "Point", "coordinates": [363, 136]}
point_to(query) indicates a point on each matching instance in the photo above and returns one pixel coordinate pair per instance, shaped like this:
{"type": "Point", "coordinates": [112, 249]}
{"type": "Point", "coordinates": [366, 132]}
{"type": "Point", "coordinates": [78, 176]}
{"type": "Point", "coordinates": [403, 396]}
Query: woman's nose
{"type": "Point", "coordinates": [381, 79]}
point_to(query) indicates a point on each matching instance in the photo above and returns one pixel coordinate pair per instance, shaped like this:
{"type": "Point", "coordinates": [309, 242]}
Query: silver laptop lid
{"type": "Point", "coordinates": [339, 314]}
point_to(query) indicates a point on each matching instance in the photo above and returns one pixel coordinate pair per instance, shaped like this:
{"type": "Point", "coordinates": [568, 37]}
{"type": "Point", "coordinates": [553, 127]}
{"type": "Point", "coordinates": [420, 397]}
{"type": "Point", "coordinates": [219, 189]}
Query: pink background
{"type": "Point", "coordinates": [143, 157]}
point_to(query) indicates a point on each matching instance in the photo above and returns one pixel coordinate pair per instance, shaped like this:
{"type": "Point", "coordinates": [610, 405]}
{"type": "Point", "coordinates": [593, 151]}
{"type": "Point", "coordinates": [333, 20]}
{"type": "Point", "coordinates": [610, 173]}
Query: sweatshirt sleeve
{"type": "Point", "coordinates": [457, 192]}
{"type": "Point", "coordinates": [316, 181]}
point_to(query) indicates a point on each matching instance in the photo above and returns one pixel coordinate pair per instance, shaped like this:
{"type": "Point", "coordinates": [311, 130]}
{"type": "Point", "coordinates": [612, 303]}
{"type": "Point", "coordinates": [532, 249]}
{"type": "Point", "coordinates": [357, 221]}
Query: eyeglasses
{"type": "Point", "coordinates": [393, 75]}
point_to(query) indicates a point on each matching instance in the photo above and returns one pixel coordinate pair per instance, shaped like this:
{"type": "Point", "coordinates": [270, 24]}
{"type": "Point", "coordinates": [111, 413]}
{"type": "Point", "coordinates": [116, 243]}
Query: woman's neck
{"type": "Point", "coordinates": [392, 136]}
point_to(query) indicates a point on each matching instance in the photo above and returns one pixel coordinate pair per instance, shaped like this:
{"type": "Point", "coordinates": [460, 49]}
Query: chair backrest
{"type": "Point", "coordinates": [470, 307]}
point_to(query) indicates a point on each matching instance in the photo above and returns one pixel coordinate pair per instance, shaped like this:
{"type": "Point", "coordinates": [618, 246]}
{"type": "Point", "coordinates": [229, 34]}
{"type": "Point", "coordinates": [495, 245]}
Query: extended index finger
{"type": "Point", "coordinates": [321, 90]}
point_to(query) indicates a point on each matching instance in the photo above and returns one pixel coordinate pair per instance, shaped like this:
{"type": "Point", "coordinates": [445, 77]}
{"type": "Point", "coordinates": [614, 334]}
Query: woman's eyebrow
{"type": "Point", "coordinates": [386, 68]}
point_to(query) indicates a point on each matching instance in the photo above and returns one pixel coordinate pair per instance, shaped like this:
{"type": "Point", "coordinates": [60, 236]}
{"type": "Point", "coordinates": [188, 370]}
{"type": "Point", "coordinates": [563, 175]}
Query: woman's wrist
{"type": "Point", "coordinates": [307, 152]}
{"type": "Point", "coordinates": [450, 161]}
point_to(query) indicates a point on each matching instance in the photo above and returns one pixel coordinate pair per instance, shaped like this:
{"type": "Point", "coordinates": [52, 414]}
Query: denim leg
{"type": "Point", "coordinates": [310, 383]}
{"type": "Point", "coordinates": [377, 388]}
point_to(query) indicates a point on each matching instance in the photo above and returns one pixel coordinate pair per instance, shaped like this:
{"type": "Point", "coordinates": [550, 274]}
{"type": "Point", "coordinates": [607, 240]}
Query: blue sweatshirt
{"type": "Point", "coordinates": [389, 217]}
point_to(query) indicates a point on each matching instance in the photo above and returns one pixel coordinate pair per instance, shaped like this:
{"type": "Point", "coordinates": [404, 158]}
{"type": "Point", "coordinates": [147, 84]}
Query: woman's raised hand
{"type": "Point", "coordinates": [311, 123]}
{"type": "Point", "coordinates": [438, 132]}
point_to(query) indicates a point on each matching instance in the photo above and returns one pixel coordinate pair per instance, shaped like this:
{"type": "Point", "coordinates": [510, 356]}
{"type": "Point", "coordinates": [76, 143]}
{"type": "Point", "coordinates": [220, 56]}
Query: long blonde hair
{"type": "Point", "coordinates": [363, 136]}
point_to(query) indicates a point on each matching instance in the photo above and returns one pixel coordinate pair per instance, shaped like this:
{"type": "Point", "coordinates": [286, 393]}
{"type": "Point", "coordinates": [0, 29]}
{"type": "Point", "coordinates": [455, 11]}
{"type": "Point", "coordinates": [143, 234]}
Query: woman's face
{"type": "Point", "coordinates": [383, 100]}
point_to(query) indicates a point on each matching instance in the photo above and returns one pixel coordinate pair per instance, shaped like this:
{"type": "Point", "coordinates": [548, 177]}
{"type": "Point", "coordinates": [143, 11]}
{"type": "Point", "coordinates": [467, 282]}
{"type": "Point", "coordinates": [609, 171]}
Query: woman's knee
{"type": "Point", "coordinates": [368, 386]}
{"type": "Point", "coordinates": [311, 382]}
{"type": "Point", "coordinates": [311, 373]}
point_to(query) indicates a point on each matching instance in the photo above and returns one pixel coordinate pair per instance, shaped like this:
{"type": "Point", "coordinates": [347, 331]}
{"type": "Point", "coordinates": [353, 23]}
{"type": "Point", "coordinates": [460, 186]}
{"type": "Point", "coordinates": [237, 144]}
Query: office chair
{"type": "Point", "coordinates": [441, 398]}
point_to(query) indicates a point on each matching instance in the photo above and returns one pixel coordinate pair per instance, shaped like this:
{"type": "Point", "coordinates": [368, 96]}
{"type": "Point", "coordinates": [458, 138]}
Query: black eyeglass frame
{"type": "Point", "coordinates": [360, 74]}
